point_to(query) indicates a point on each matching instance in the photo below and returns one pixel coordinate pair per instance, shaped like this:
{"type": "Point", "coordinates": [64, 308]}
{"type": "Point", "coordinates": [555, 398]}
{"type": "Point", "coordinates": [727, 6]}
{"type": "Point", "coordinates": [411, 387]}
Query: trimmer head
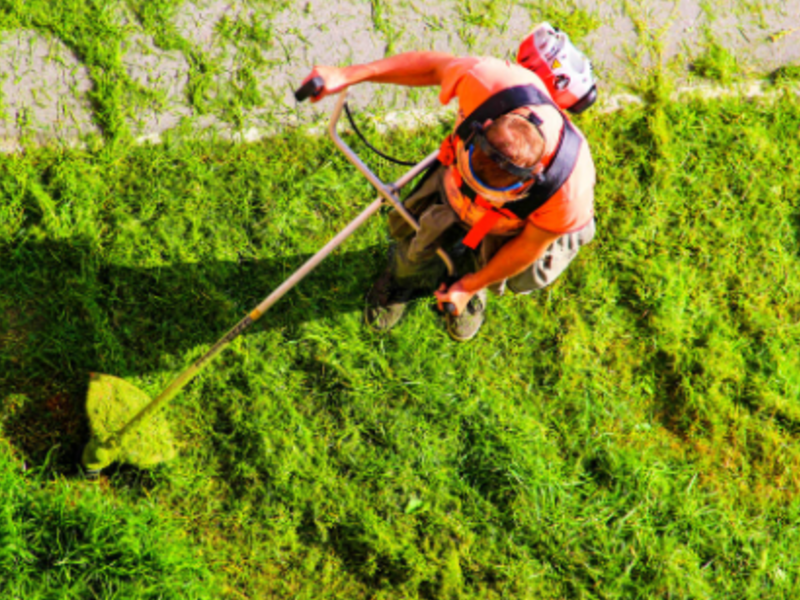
{"type": "Point", "coordinates": [111, 403]}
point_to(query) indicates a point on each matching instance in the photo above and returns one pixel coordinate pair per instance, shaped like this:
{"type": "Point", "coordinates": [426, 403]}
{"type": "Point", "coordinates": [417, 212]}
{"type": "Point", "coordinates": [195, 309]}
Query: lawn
{"type": "Point", "coordinates": [630, 432]}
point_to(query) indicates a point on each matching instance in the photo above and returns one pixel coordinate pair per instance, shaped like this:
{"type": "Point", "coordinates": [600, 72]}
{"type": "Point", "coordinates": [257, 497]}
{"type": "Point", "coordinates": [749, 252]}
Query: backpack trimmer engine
{"type": "Point", "coordinates": [564, 69]}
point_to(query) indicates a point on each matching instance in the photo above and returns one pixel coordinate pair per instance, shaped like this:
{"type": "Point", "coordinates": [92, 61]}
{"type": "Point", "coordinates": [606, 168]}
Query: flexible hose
{"type": "Point", "coordinates": [370, 146]}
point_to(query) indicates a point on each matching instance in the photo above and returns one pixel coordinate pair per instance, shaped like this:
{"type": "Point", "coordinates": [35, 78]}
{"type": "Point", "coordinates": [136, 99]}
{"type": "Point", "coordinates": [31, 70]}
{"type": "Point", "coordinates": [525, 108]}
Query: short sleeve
{"type": "Point", "coordinates": [454, 73]}
{"type": "Point", "coordinates": [475, 79]}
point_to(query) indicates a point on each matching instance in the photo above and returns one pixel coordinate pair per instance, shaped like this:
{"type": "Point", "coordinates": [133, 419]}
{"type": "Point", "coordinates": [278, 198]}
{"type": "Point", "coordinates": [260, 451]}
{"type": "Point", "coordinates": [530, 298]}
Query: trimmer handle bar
{"type": "Point", "coordinates": [389, 192]}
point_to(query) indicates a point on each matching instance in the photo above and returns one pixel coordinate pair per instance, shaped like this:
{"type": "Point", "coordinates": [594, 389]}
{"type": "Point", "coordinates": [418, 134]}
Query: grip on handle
{"type": "Point", "coordinates": [312, 87]}
{"type": "Point", "coordinates": [449, 307]}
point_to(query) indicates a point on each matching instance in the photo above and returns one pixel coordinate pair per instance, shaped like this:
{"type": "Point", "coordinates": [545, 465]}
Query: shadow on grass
{"type": "Point", "coordinates": [356, 548]}
{"type": "Point", "coordinates": [361, 554]}
{"type": "Point", "coordinates": [64, 313]}
{"type": "Point", "coordinates": [673, 403]}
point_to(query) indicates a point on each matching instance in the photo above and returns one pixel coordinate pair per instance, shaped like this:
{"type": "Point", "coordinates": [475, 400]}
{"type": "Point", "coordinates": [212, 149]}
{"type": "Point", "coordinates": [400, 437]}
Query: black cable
{"type": "Point", "coordinates": [370, 146]}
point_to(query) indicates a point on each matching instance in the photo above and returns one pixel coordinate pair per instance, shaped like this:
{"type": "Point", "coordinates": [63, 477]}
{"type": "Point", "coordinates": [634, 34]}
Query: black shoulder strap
{"type": "Point", "coordinates": [501, 103]}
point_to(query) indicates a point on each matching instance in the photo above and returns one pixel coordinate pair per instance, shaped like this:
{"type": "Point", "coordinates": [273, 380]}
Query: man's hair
{"type": "Point", "coordinates": [518, 140]}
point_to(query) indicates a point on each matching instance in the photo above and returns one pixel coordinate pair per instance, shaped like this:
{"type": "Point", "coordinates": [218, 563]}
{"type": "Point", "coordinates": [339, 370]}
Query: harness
{"type": "Point", "coordinates": [544, 186]}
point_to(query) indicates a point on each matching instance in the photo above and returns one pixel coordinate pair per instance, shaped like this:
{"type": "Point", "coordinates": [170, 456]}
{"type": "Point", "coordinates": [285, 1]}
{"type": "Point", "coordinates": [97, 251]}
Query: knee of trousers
{"type": "Point", "coordinates": [556, 259]}
{"type": "Point", "coordinates": [411, 270]}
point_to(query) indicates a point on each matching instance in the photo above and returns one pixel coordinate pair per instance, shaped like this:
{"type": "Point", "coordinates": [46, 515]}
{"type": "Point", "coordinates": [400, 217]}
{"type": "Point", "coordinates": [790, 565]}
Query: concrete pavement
{"type": "Point", "coordinates": [45, 85]}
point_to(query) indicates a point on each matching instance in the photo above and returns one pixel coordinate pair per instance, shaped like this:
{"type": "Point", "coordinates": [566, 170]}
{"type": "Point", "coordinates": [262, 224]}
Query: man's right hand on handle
{"type": "Point", "coordinates": [333, 78]}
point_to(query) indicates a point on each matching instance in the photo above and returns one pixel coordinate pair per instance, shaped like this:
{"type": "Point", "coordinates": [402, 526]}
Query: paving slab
{"type": "Point", "coordinates": [44, 89]}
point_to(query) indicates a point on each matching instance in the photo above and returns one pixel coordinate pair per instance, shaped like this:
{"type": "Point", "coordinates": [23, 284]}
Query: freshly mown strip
{"type": "Point", "coordinates": [630, 432]}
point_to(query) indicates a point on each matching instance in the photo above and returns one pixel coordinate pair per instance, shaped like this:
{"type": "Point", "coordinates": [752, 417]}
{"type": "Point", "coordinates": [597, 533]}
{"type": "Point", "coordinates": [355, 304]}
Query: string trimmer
{"type": "Point", "coordinates": [126, 424]}
{"type": "Point", "coordinates": [118, 411]}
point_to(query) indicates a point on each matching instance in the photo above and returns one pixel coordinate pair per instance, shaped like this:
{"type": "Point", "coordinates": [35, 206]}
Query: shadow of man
{"type": "Point", "coordinates": [65, 313]}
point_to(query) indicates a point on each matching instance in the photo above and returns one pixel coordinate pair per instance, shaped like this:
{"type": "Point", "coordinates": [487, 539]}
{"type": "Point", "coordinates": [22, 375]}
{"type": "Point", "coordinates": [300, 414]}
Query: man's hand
{"type": "Point", "coordinates": [334, 81]}
{"type": "Point", "coordinates": [514, 257]}
{"type": "Point", "coordinates": [458, 295]}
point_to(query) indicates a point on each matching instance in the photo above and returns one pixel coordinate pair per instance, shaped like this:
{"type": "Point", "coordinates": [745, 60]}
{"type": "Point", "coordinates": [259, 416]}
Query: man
{"type": "Point", "coordinates": [512, 201]}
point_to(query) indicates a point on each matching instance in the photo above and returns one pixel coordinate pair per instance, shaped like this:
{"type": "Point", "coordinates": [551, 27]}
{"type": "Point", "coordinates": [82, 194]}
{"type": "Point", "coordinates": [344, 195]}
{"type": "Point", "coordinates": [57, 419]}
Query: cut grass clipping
{"type": "Point", "coordinates": [630, 432]}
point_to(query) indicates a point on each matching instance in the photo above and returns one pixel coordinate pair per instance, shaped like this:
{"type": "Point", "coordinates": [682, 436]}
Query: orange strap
{"type": "Point", "coordinates": [447, 151]}
{"type": "Point", "coordinates": [487, 221]}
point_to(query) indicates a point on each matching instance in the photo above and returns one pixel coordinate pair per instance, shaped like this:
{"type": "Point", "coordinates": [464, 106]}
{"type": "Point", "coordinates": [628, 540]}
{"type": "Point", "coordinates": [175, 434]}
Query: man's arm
{"type": "Point", "coordinates": [513, 258]}
{"type": "Point", "coordinates": [409, 68]}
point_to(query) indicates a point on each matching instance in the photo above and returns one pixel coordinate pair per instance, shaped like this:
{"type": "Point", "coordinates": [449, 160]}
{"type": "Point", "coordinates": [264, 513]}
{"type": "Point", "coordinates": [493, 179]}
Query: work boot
{"type": "Point", "coordinates": [465, 326]}
{"type": "Point", "coordinates": [386, 303]}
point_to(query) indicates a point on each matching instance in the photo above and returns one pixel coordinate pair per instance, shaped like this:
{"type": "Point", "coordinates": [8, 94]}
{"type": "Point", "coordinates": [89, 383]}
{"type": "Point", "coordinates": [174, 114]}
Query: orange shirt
{"type": "Point", "coordinates": [473, 80]}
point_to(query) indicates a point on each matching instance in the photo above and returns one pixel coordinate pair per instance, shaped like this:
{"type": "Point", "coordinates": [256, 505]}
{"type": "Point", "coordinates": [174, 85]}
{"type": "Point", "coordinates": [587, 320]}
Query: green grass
{"type": "Point", "coordinates": [717, 64]}
{"type": "Point", "coordinates": [629, 433]}
{"type": "Point", "coordinates": [73, 541]}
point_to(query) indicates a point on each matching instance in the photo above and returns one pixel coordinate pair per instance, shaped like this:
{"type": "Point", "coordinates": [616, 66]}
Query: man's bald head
{"type": "Point", "coordinates": [517, 139]}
